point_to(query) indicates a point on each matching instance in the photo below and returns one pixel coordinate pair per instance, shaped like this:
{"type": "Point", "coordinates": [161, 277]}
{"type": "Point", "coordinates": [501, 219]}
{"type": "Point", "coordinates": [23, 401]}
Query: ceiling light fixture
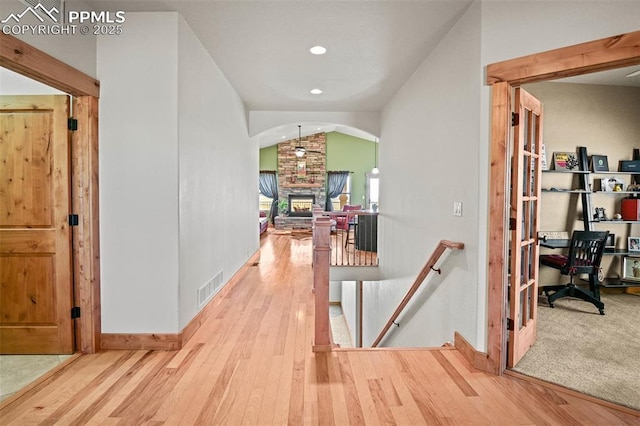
{"type": "Point", "coordinates": [375, 170]}
{"type": "Point", "coordinates": [299, 150]}
{"type": "Point", "coordinates": [315, 91]}
{"type": "Point", "coordinates": [633, 74]}
{"type": "Point", "coordinates": [318, 50]}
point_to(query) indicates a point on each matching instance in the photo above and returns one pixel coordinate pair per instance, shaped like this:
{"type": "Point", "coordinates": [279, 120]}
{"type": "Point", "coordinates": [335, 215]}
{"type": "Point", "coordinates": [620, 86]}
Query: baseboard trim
{"type": "Point", "coordinates": [174, 341]}
{"type": "Point", "coordinates": [477, 359]}
{"type": "Point", "coordinates": [574, 393]}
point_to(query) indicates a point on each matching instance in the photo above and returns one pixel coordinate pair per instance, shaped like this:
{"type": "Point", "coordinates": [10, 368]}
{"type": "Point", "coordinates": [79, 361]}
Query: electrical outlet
{"type": "Point", "coordinates": [457, 208]}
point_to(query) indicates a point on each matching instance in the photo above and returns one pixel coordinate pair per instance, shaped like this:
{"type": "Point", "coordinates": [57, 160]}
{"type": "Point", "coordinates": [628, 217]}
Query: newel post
{"type": "Point", "coordinates": [321, 256]}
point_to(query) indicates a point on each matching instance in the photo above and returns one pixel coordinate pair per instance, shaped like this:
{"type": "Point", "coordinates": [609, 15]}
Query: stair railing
{"type": "Point", "coordinates": [426, 269]}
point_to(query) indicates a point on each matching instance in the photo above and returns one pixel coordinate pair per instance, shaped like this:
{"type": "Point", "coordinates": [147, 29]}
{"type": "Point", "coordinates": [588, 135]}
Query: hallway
{"type": "Point", "coordinates": [251, 363]}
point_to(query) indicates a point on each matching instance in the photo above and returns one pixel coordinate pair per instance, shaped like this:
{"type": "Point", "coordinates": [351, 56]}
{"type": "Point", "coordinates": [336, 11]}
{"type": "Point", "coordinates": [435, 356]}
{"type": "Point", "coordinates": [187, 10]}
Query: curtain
{"type": "Point", "coordinates": [335, 183]}
{"type": "Point", "coordinates": [268, 186]}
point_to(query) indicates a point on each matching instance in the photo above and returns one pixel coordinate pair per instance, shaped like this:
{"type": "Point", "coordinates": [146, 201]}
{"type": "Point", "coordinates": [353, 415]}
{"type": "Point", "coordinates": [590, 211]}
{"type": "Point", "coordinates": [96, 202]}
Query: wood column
{"type": "Point", "coordinates": [321, 256]}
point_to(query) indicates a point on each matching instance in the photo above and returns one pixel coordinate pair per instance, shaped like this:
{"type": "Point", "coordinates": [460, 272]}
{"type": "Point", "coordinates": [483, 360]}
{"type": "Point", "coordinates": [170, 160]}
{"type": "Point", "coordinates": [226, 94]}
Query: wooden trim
{"type": "Point", "coordinates": [599, 55]}
{"type": "Point", "coordinates": [22, 58]}
{"type": "Point", "coordinates": [574, 393]}
{"type": "Point", "coordinates": [479, 360]}
{"type": "Point", "coordinates": [175, 341]}
{"type": "Point", "coordinates": [501, 107]}
{"type": "Point", "coordinates": [426, 269]}
{"type": "Point", "coordinates": [86, 236]}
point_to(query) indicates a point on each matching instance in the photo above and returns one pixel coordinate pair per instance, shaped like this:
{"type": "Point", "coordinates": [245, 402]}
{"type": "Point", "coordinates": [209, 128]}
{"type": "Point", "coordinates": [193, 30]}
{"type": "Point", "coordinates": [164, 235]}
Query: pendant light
{"type": "Point", "coordinates": [375, 170]}
{"type": "Point", "coordinates": [299, 150]}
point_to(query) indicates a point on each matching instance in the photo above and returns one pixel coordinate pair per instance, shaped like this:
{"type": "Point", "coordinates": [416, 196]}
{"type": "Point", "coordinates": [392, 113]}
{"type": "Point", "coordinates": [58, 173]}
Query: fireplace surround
{"type": "Point", "coordinates": [301, 205]}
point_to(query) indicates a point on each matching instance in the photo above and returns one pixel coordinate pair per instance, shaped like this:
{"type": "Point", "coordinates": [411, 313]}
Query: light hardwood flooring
{"type": "Point", "coordinates": [251, 363]}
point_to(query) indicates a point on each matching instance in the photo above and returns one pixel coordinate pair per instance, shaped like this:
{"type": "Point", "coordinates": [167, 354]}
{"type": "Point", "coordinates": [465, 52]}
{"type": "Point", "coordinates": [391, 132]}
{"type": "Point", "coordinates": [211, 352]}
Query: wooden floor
{"type": "Point", "coordinates": [252, 364]}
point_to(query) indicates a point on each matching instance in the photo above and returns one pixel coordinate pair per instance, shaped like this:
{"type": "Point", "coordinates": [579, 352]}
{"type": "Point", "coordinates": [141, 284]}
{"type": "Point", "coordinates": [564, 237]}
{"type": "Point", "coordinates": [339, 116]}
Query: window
{"type": "Point", "coordinates": [372, 191]}
{"type": "Point", "coordinates": [264, 203]}
{"type": "Point", "coordinates": [345, 191]}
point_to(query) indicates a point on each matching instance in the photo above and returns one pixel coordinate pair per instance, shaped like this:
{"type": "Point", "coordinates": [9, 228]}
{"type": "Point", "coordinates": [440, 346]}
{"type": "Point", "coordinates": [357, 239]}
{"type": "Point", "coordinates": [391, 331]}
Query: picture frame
{"type": "Point", "coordinates": [610, 243]}
{"type": "Point", "coordinates": [631, 268]}
{"type": "Point", "coordinates": [565, 162]}
{"type": "Point", "coordinates": [633, 244]}
{"type": "Point", "coordinates": [599, 163]}
{"type": "Point", "coordinates": [301, 168]}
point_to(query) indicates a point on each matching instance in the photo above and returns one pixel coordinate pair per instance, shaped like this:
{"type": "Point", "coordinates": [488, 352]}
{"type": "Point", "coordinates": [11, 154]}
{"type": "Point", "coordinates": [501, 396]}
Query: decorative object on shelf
{"type": "Point", "coordinates": [629, 166]}
{"type": "Point", "coordinates": [612, 184]}
{"type": "Point", "coordinates": [633, 244]}
{"type": "Point", "coordinates": [610, 243]}
{"type": "Point", "coordinates": [634, 187]}
{"type": "Point", "coordinates": [565, 161]}
{"type": "Point", "coordinates": [630, 209]}
{"type": "Point", "coordinates": [631, 268]}
{"type": "Point", "coordinates": [599, 163]}
{"type": "Point", "coordinates": [600, 214]}
{"type": "Point", "coordinates": [617, 216]}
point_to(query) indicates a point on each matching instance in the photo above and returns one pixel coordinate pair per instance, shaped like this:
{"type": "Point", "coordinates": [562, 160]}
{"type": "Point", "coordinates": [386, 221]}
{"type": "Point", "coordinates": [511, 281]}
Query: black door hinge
{"type": "Point", "coordinates": [73, 220]}
{"type": "Point", "coordinates": [512, 224]}
{"type": "Point", "coordinates": [515, 119]}
{"type": "Point", "coordinates": [75, 312]}
{"type": "Point", "coordinates": [509, 324]}
{"type": "Point", "coordinates": [72, 124]}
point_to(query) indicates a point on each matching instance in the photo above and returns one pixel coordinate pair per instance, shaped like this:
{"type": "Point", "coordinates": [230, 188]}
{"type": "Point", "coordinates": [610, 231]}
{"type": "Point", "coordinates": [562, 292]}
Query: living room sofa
{"type": "Point", "coordinates": [263, 222]}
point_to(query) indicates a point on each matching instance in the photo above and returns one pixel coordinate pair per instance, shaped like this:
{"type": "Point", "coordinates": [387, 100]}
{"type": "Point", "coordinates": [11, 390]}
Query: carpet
{"type": "Point", "coordinates": [582, 350]}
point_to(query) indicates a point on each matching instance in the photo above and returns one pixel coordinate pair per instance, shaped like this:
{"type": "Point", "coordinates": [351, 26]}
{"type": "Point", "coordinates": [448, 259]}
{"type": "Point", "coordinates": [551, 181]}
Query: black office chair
{"type": "Point", "coordinates": [585, 254]}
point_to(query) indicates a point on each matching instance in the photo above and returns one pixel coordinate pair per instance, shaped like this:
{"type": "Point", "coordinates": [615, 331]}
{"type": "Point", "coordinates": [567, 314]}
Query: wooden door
{"type": "Point", "coordinates": [525, 223]}
{"type": "Point", "coordinates": [35, 240]}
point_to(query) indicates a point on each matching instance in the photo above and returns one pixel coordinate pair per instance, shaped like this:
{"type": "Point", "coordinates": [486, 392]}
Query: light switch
{"type": "Point", "coordinates": [457, 208]}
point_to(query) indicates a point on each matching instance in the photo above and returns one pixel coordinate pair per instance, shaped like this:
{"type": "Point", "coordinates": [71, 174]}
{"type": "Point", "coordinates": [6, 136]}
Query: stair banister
{"type": "Point", "coordinates": [428, 267]}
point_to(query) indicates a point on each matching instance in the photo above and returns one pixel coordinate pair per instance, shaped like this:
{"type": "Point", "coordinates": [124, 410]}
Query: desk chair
{"type": "Point", "coordinates": [585, 253]}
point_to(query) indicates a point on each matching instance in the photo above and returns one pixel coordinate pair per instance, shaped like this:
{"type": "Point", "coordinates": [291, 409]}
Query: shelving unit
{"type": "Point", "coordinates": [585, 191]}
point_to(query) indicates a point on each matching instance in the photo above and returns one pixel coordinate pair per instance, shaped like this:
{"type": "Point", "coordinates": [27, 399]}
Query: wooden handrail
{"type": "Point", "coordinates": [435, 256]}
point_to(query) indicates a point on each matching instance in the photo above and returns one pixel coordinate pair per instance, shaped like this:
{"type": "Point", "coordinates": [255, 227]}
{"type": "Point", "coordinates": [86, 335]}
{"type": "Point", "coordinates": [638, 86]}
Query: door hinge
{"type": "Point", "coordinates": [512, 224]}
{"type": "Point", "coordinates": [72, 124]}
{"type": "Point", "coordinates": [75, 312]}
{"type": "Point", "coordinates": [73, 220]}
{"type": "Point", "coordinates": [515, 119]}
{"type": "Point", "coordinates": [509, 324]}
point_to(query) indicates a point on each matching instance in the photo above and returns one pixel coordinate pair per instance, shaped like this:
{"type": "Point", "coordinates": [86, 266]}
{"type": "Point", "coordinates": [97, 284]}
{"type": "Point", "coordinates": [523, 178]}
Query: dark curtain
{"type": "Point", "coordinates": [335, 183]}
{"type": "Point", "coordinates": [268, 185]}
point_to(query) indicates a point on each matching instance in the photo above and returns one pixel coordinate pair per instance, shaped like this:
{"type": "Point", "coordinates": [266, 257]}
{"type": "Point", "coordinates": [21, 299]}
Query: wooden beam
{"type": "Point", "coordinates": [599, 55]}
{"type": "Point", "coordinates": [22, 58]}
{"type": "Point", "coordinates": [498, 202]}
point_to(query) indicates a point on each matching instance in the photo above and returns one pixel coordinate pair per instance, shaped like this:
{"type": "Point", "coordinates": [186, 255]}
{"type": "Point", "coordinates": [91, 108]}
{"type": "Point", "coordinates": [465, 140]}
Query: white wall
{"type": "Point", "coordinates": [138, 72]}
{"type": "Point", "coordinates": [429, 159]}
{"type": "Point", "coordinates": [218, 174]}
{"type": "Point", "coordinates": [78, 51]}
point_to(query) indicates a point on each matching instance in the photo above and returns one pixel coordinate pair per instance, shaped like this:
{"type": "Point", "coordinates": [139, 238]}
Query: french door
{"type": "Point", "coordinates": [524, 225]}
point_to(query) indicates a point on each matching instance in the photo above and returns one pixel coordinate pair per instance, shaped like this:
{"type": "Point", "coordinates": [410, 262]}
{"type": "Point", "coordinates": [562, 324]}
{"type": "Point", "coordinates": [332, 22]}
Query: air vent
{"type": "Point", "coordinates": [209, 289]}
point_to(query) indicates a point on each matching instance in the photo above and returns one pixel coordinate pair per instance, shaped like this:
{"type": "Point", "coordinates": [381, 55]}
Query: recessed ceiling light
{"type": "Point", "coordinates": [633, 74]}
{"type": "Point", "coordinates": [318, 50]}
{"type": "Point", "coordinates": [316, 91]}
{"type": "Point", "coordinates": [284, 137]}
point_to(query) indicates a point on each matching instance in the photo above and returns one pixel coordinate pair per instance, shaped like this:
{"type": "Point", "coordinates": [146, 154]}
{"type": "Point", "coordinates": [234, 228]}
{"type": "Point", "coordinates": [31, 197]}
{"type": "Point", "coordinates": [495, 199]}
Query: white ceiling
{"type": "Point", "coordinates": [262, 47]}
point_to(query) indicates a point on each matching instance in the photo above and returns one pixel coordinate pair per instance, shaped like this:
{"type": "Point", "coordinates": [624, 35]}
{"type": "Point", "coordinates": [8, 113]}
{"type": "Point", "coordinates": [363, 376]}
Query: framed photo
{"type": "Point", "coordinates": [301, 168]}
{"type": "Point", "coordinates": [599, 163]}
{"type": "Point", "coordinates": [631, 268]}
{"type": "Point", "coordinates": [634, 244]}
{"type": "Point", "coordinates": [565, 161]}
{"type": "Point", "coordinates": [610, 244]}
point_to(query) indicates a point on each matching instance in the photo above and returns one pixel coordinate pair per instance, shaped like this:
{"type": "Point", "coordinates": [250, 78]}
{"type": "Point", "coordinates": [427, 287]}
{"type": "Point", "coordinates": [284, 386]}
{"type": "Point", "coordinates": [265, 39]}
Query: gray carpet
{"type": "Point", "coordinates": [582, 350]}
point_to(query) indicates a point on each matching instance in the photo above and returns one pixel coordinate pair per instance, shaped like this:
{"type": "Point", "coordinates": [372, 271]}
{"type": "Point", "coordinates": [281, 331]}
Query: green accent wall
{"type": "Point", "coordinates": [344, 152]}
{"type": "Point", "coordinates": [269, 158]}
{"type": "Point", "coordinates": [357, 155]}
